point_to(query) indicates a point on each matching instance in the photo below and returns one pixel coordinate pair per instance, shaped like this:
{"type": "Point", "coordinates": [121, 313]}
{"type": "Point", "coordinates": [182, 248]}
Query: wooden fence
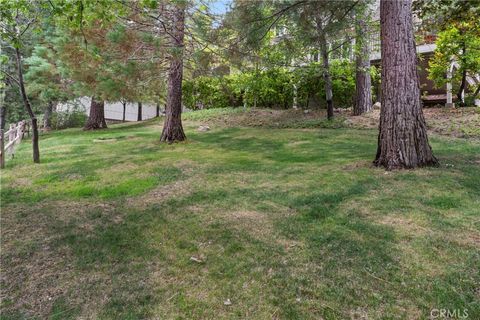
{"type": "Point", "coordinates": [11, 138]}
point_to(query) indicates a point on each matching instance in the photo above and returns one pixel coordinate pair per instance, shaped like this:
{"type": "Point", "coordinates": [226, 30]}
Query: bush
{"type": "Point", "coordinates": [208, 92]}
{"type": "Point", "coordinates": [311, 85]}
{"type": "Point", "coordinates": [273, 88]}
{"type": "Point", "coordinates": [268, 89]}
{"type": "Point", "coordinates": [68, 119]}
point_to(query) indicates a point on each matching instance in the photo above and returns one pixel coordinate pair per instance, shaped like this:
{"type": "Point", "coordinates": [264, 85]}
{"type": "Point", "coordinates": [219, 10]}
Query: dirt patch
{"type": "Point", "coordinates": [297, 143]}
{"type": "Point", "coordinates": [405, 225]}
{"type": "Point", "coordinates": [162, 193]}
{"type": "Point", "coordinates": [121, 168]}
{"type": "Point", "coordinates": [462, 122]}
{"type": "Point", "coordinates": [358, 164]}
{"type": "Point", "coordinates": [265, 118]}
{"type": "Point", "coordinates": [23, 182]}
{"type": "Point", "coordinates": [471, 239]}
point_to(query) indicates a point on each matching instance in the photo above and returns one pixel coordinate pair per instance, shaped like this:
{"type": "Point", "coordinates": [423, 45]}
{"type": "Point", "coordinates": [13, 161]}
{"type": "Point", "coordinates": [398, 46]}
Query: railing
{"type": "Point", "coordinates": [11, 138]}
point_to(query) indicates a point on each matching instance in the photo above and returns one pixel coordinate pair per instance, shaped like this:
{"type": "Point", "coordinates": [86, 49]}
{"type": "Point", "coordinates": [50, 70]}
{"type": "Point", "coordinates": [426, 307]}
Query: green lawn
{"type": "Point", "coordinates": [286, 223]}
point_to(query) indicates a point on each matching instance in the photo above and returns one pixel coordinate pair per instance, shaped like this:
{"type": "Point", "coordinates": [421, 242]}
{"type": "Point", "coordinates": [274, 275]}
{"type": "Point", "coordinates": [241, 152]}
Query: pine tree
{"type": "Point", "coordinates": [402, 140]}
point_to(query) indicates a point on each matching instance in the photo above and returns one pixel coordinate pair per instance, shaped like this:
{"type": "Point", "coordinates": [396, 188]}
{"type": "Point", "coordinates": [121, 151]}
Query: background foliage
{"type": "Point", "coordinates": [274, 87]}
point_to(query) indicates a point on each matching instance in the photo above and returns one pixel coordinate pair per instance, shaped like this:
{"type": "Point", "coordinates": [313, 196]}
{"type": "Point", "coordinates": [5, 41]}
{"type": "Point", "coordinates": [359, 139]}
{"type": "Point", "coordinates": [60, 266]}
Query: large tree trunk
{"type": "Point", "coordinates": [47, 116]}
{"type": "Point", "coordinates": [96, 119]}
{"type": "Point", "coordinates": [363, 82]}
{"type": "Point", "coordinates": [326, 73]}
{"type": "Point", "coordinates": [172, 127]}
{"type": "Point", "coordinates": [402, 140]}
{"type": "Point", "coordinates": [139, 113]}
{"type": "Point", "coordinates": [26, 102]}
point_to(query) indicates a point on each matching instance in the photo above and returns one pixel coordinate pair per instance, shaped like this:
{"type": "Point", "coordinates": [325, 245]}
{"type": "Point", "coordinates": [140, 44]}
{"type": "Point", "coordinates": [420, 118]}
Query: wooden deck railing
{"type": "Point", "coordinates": [11, 138]}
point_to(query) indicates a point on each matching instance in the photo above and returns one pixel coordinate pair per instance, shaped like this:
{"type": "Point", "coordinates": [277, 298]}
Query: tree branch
{"type": "Point", "coordinates": [10, 77]}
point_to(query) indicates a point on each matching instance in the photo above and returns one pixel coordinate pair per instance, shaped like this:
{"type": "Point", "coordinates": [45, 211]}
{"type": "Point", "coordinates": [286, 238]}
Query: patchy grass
{"type": "Point", "coordinates": [287, 223]}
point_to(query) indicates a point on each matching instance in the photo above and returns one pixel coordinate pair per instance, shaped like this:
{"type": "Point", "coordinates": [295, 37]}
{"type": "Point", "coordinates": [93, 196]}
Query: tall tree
{"type": "Point", "coordinates": [89, 70]}
{"type": "Point", "coordinates": [139, 111]}
{"type": "Point", "coordinates": [327, 77]}
{"type": "Point", "coordinates": [44, 79]}
{"type": "Point", "coordinates": [402, 139]}
{"type": "Point", "coordinates": [18, 18]}
{"type": "Point", "coordinates": [320, 26]}
{"type": "Point", "coordinates": [172, 127]}
{"type": "Point", "coordinates": [96, 118]}
{"type": "Point", "coordinates": [363, 82]}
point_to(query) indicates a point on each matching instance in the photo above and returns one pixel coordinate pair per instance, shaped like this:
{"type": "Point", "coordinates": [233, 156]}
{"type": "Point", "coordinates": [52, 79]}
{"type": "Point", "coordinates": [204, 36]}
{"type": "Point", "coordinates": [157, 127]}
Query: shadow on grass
{"type": "Point", "coordinates": [274, 145]}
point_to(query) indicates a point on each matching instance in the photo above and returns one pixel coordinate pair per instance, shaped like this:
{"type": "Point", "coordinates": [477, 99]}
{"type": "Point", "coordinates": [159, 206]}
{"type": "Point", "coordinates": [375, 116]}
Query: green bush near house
{"type": "Point", "coordinates": [274, 87]}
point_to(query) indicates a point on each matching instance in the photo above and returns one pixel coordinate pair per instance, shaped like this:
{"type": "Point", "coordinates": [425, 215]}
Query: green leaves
{"type": "Point", "coordinates": [459, 42]}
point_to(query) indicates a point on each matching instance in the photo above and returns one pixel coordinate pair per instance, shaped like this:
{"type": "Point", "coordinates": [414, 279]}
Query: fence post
{"type": "Point", "coordinates": [20, 130]}
{"type": "Point", "coordinates": [11, 135]}
{"type": "Point", "coordinates": [2, 150]}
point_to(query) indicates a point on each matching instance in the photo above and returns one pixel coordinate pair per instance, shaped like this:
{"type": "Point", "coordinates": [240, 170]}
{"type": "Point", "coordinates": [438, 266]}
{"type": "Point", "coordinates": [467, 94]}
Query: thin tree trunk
{"type": "Point", "coordinates": [157, 114]}
{"type": "Point", "coordinates": [463, 83]}
{"type": "Point", "coordinates": [172, 127]}
{"type": "Point", "coordinates": [26, 102]}
{"type": "Point", "coordinates": [255, 92]}
{"type": "Point", "coordinates": [402, 140]}
{"type": "Point", "coordinates": [96, 119]}
{"type": "Point", "coordinates": [124, 104]}
{"type": "Point", "coordinates": [460, 93]}
{"type": "Point", "coordinates": [3, 114]}
{"type": "Point", "coordinates": [47, 116]}
{"type": "Point", "coordinates": [326, 74]}
{"type": "Point", "coordinates": [139, 113]}
{"type": "Point", "coordinates": [363, 82]}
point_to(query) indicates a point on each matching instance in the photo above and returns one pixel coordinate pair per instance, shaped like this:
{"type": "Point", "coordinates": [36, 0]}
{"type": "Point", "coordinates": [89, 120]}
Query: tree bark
{"type": "Point", "coordinates": [402, 139]}
{"type": "Point", "coordinates": [3, 115]}
{"type": "Point", "coordinates": [47, 116]}
{"type": "Point", "coordinates": [124, 104]}
{"type": "Point", "coordinates": [326, 73]}
{"type": "Point", "coordinates": [139, 113]}
{"type": "Point", "coordinates": [463, 83]}
{"type": "Point", "coordinates": [26, 102]}
{"type": "Point", "coordinates": [363, 82]}
{"type": "Point", "coordinates": [172, 127]}
{"type": "Point", "coordinates": [157, 114]}
{"type": "Point", "coordinates": [460, 93]}
{"type": "Point", "coordinates": [96, 119]}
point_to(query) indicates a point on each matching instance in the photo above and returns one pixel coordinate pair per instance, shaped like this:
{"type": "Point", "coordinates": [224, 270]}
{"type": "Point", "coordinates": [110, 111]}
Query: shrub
{"type": "Point", "coordinates": [207, 92]}
{"type": "Point", "coordinates": [68, 119]}
{"type": "Point", "coordinates": [273, 88]}
{"type": "Point", "coordinates": [311, 85]}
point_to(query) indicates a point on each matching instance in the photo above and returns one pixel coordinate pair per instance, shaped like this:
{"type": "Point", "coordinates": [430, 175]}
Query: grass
{"type": "Point", "coordinates": [287, 223]}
